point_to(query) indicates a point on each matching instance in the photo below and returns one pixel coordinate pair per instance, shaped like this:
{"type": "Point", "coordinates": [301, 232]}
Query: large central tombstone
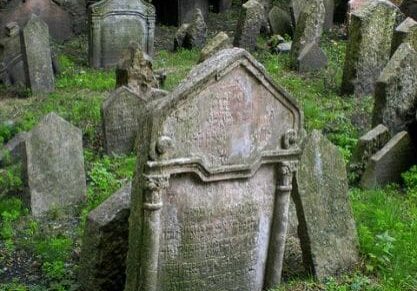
{"type": "Point", "coordinates": [114, 24]}
{"type": "Point", "coordinates": [215, 165]}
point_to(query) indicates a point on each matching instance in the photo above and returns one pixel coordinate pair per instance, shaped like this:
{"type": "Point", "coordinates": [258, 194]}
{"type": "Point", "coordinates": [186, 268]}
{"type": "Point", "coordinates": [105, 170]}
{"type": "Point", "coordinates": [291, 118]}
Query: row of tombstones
{"type": "Point", "coordinates": [218, 160]}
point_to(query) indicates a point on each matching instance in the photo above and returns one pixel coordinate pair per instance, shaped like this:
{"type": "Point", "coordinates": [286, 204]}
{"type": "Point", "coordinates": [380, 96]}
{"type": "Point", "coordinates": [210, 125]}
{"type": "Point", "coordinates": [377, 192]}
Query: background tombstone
{"type": "Point", "coordinates": [120, 115]}
{"type": "Point", "coordinates": [251, 20]}
{"type": "Point", "coordinates": [114, 24]}
{"type": "Point", "coordinates": [219, 42]}
{"type": "Point", "coordinates": [405, 32]}
{"type": "Point", "coordinates": [369, 46]}
{"type": "Point", "coordinates": [326, 226]}
{"type": "Point", "coordinates": [55, 165]}
{"type": "Point", "coordinates": [179, 12]}
{"type": "Point", "coordinates": [211, 192]}
{"type": "Point", "coordinates": [37, 56]}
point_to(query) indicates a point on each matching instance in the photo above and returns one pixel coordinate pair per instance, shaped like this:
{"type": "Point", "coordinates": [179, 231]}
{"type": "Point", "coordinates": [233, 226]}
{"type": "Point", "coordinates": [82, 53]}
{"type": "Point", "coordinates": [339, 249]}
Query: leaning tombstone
{"type": "Point", "coordinates": [114, 24]}
{"type": "Point", "coordinates": [120, 115]}
{"type": "Point", "coordinates": [396, 91]}
{"type": "Point", "coordinates": [405, 32]}
{"type": "Point", "coordinates": [104, 245]}
{"type": "Point", "coordinates": [54, 165]}
{"type": "Point", "coordinates": [37, 56]}
{"type": "Point", "coordinates": [180, 11]}
{"type": "Point", "coordinates": [387, 165]}
{"type": "Point", "coordinates": [326, 229]}
{"type": "Point", "coordinates": [251, 20]}
{"type": "Point", "coordinates": [219, 42]}
{"type": "Point", "coordinates": [280, 21]}
{"type": "Point", "coordinates": [369, 46]}
{"type": "Point", "coordinates": [225, 133]}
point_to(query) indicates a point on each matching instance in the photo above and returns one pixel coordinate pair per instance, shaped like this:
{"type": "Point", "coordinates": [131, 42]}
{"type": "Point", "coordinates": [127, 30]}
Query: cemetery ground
{"type": "Point", "coordinates": [43, 254]}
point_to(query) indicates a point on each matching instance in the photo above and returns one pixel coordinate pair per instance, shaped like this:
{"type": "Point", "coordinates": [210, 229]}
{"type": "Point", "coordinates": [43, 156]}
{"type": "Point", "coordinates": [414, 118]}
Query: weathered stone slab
{"type": "Point", "coordinates": [55, 165]}
{"type": "Point", "coordinates": [387, 165]}
{"type": "Point", "coordinates": [37, 56]}
{"type": "Point", "coordinates": [219, 42]}
{"type": "Point", "coordinates": [367, 146]}
{"type": "Point", "coordinates": [114, 24]}
{"type": "Point", "coordinates": [396, 91]}
{"type": "Point", "coordinates": [280, 21]}
{"type": "Point", "coordinates": [311, 58]}
{"type": "Point", "coordinates": [192, 35]}
{"type": "Point", "coordinates": [225, 134]}
{"type": "Point", "coordinates": [405, 32]}
{"type": "Point", "coordinates": [120, 114]}
{"type": "Point", "coordinates": [326, 226]}
{"type": "Point", "coordinates": [369, 46]}
{"type": "Point", "coordinates": [104, 245]}
{"type": "Point", "coordinates": [251, 20]}
{"type": "Point", "coordinates": [296, 6]}
{"type": "Point", "coordinates": [179, 12]}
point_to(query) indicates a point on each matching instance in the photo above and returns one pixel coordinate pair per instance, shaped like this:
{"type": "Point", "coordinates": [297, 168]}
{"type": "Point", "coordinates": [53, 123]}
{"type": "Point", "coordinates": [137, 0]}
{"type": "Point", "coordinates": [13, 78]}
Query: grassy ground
{"type": "Point", "coordinates": [43, 256]}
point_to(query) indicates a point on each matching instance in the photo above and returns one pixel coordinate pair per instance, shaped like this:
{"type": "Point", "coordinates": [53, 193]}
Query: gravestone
{"type": "Point", "coordinates": [249, 25]}
{"type": "Point", "coordinates": [120, 117]}
{"type": "Point", "coordinates": [308, 33]}
{"type": "Point", "coordinates": [296, 6]}
{"type": "Point", "coordinates": [280, 21]}
{"type": "Point", "coordinates": [37, 56]}
{"type": "Point", "coordinates": [114, 24]}
{"type": "Point", "coordinates": [326, 226]}
{"type": "Point", "coordinates": [387, 165]}
{"type": "Point", "coordinates": [369, 46]}
{"type": "Point", "coordinates": [55, 165]}
{"type": "Point", "coordinates": [217, 43]}
{"type": "Point", "coordinates": [396, 91]}
{"type": "Point", "coordinates": [192, 35]}
{"type": "Point", "coordinates": [179, 12]}
{"type": "Point", "coordinates": [104, 245]}
{"type": "Point", "coordinates": [311, 58]}
{"type": "Point", "coordinates": [405, 32]}
{"type": "Point", "coordinates": [367, 146]}
{"type": "Point", "coordinates": [211, 191]}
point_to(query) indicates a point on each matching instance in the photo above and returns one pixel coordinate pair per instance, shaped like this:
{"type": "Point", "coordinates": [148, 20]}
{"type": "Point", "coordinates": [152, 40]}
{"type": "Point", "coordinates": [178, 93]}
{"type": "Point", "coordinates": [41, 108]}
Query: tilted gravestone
{"type": "Point", "coordinates": [104, 245]}
{"type": "Point", "coordinates": [369, 46]}
{"type": "Point", "coordinates": [37, 56]}
{"type": "Point", "coordinates": [55, 165]}
{"type": "Point", "coordinates": [120, 115]}
{"type": "Point", "coordinates": [280, 21]}
{"type": "Point", "coordinates": [114, 24]}
{"type": "Point", "coordinates": [326, 226]}
{"type": "Point", "coordinates": [211, 193]}
{"type": "Point", "coordinates": [217, 43]}
{"type": "Point", "coordinates": [179, 12]}
{"type": "Point", "coordinates": [192, 35]}
{"type": "Point", "coordinates": [405, 32]}
{"type": "Point", "coordinates": [396, 91]}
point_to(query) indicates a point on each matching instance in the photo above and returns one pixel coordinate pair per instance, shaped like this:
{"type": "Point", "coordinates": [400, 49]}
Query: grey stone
{"type": "Point", "coordinates": [104, 245]}
{"type": "Point", "coordinates": [120, 117]}
{"type": "Point", "coordinates": [369, 46]}
{"type": "Point", "coordinates": [308, 30]}
{"type": "Point", "coordinates": [284, 47]}
{"type": "Point", "coordinates": [14, 151]}
{"type": "Point", "coordinates": [387, 165]}
{"type": "Point", "coordinates": [296, 6]}
{"type": "Point", "coordinates": [219, 42]}
{"type": "Point", "coordinates": [311, 58]}
{"type": "Point", "coordinates": [225, 133]}
{"type": "Point", "coordinates": [367, 146]}
{"type": "Point", "coordinates": [326, 226]}
{"type": "Point", "coordinates": [114, 24]}
{"type": "Point", "coordinates": [405, 32]}
{"type": "Point", "coordinates": [192, 35]}
{"type": "Point", "coordinates": [280, 21]}
{"type": "Point", "coordinates": [249, 25]}
{"type": "Point", "coordinates": [179, 12]}
{"type": "Point", "coordinates": [55, 165]}
{"type": "Point", "coordinates": [37, 56]}
{"type": "Point", "coordinates": [328, 19]}
{"type": "Point", "coordinates": [396, 91]}
{"type": "Point", "coordinates": [180, 36]}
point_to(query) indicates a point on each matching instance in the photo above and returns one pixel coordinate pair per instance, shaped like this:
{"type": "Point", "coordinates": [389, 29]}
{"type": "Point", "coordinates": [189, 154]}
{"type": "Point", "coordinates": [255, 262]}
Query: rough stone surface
{"type": "Point", "coordinates": [192, 35]}
{"type": "Point", "coordinates": [308, 30]}
{"type": "Point", "coordinates": [179, 12]}
{"type": "Point", "coordinates": [387, 165]}
{"type": "Point", "coordinates": [135, 71]}
{"type": "Point", "coordinates": [249, 25]}
{"type": "Point", "coordinates": [396, 91]}
{"type": "Point", "coordinates": [280, 21]}
{"type": "Point", "coordinates": [369, 46]}
{"type": "Point", "coordinates": [219, 42]}
{"type": "Point", "coordinates": [405, 32]}
{"type": "Point", "coordinates": [311, 58]}
{"type": "Point", "coordinates": [180, 35]}
{"type": "Point", "coordinates": [120, 116]}
{"type": "Point", "coordinates": [329, 7]}
{"type": "Point", "coordinates": [105, 242]}
{"type": "Point", "coordinates": [14, 151]}
{"type": "Point", "coordinates": [37, 56]}
{"type": "Point", "coordinates": [326, 226]}
{"type": "Point", "coordinates": [367, 146]}
{"type": "Point", "coordinates": [55, 165]}
{"type": "Point", "coordinates": [225, 133]}
{"type": "Point", "coordinates": [114, 24]}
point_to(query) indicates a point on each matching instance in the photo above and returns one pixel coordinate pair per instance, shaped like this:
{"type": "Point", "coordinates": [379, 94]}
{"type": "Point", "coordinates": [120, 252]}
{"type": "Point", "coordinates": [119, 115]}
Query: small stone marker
{"type": "Point", "coordinates": [219, 42]}
{"type": "Point", "coordinates": [305, 46]}
{"type": "Point", "coordinates": [326, 226]}
{"type": "Point", "coordinates": [104, 245]}
{"type": "Point", "coordinates": [405, 32]}
{"type": "Point", "coordinates": [55, 165]}
{"type": "Point", "coordinates": [280, 21]}
{"type": "Point", "coordinates": [369, 46]}
{"type": "Point", "coordinates": [192, 35]}
{"type": "Point", "coordinates": [37, 56]}
{"type": "Point", "coordinates": [396, 91]}
{"type": "Point", "coordinates": [114, 24]}
{"type": "Point", "coordinates": [387, 165]}
{"type": "Point", "coordinates": [211, 192]}
{"type": "Point", "coordinates": [120, 114]}
{"type": "Point", "coordinates": [249, 25]}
